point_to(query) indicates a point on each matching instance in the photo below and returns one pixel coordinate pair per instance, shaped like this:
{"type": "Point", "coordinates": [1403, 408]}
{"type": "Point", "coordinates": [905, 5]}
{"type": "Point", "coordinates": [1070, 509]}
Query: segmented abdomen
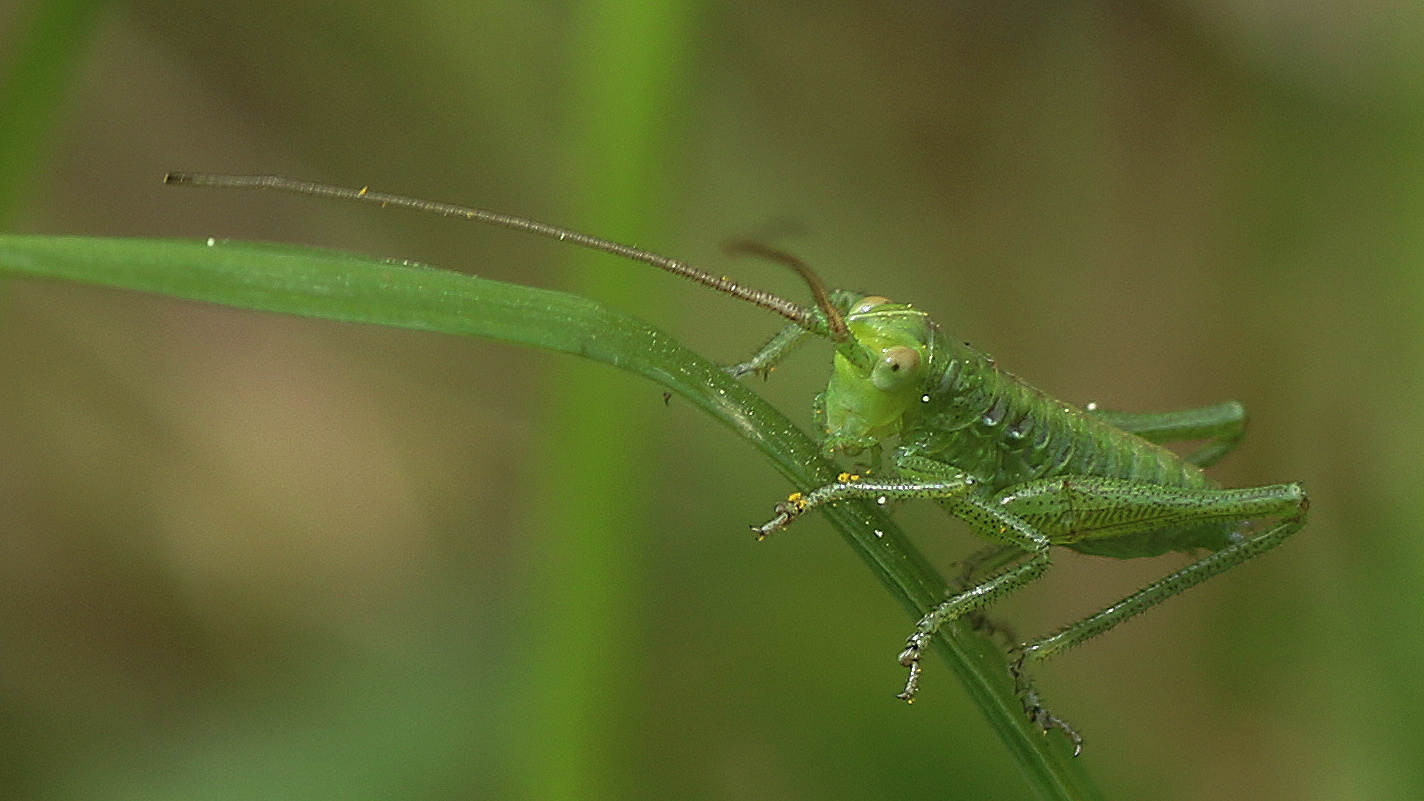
{"type": "Point", "coordinates": [1003, 431]}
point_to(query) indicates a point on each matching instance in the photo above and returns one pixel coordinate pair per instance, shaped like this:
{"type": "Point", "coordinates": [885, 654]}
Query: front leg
{"type": "Point", "coordinates": [926, 478]}
{"type": "Point", "coordinates": [769, 355]}
{"type": "Point", "coordinates": [848, 486]}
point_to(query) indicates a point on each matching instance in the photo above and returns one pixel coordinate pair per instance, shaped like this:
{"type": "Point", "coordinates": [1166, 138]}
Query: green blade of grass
{"type": "Point", "coordinates": [623, 117]}
{"type": "Point", "coordinates": [344, 287]}
{"type": "Point", "coordinates": [37, 74]}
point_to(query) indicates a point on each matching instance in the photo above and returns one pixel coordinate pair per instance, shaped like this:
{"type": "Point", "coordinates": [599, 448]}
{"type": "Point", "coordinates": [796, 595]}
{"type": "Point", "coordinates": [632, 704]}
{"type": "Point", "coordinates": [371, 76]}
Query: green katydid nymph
{"type": "Point", "coordinates": [940, 421]}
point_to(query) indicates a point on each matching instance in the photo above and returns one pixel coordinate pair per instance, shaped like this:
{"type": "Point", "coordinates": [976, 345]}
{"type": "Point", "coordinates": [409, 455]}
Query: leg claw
{"type": "Point", "coordinates": [786, 511]}
{"type": "Point", "coordinates": [1037, 712]}
{"type": "Point", "coordinates": [910, 658]}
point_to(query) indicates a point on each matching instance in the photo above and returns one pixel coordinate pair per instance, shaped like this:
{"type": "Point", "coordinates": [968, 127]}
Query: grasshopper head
{"type": "Point", "coordinates": [879, 374]}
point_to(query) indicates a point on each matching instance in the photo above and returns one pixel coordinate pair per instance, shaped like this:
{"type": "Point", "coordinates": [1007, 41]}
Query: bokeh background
{"type": "Point", "coordinates": [246, 556]}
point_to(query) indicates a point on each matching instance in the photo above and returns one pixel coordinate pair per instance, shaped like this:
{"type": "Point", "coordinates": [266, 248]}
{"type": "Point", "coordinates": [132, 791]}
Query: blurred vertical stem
{"type": "Point", "coordinates": [34, 82]}
{"type": "Point", "coordinates": [627, 64]}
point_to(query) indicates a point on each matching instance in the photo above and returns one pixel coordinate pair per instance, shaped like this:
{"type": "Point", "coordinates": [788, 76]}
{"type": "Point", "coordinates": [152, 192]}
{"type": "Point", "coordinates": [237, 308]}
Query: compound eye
{"type": "Point", "coordinates": [896, 366]}
{"type": "Point", "coordinates": [866, 304]}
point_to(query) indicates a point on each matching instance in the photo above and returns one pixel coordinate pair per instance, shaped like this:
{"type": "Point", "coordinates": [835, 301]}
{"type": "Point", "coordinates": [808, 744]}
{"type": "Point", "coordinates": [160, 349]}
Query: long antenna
{"type": "Point", "coordinates": [838, 331]}
{"type": "Point", "coordinates": [801, 316]}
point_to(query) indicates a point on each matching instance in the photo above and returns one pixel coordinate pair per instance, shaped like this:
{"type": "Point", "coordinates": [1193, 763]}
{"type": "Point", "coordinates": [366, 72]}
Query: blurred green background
{"type": "Point", "coordinates": [246, 556]}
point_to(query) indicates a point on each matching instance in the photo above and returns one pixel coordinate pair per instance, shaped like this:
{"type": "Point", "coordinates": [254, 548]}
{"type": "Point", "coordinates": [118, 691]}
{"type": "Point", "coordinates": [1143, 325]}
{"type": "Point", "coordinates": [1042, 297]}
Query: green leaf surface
{"type": "Point", "coordinates": [350, 288]}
